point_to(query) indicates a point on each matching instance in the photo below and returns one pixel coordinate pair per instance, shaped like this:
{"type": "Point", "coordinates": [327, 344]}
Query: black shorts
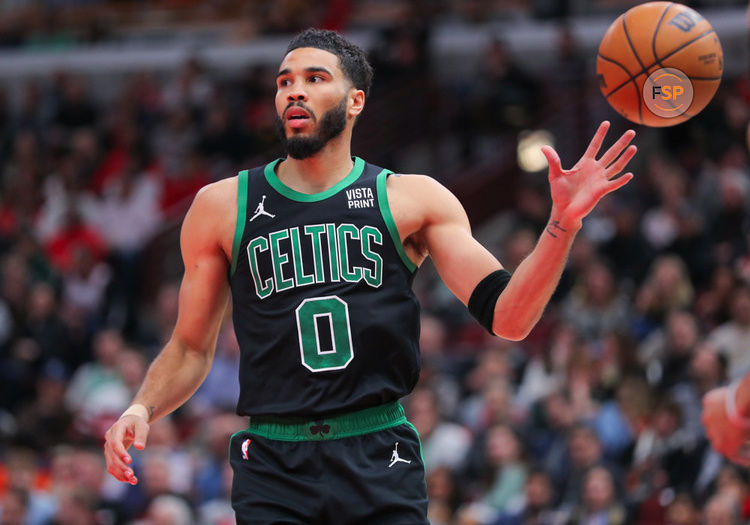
{"type": "Point", "coordinates": [360, 468]}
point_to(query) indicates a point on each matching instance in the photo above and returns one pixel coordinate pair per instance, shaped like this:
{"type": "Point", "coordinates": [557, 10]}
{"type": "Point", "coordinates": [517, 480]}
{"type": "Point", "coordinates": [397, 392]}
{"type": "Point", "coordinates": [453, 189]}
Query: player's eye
{"type": "Point", "coordinates": [284, 82]}
{"type": "Point", "coordinates": [316, 78]}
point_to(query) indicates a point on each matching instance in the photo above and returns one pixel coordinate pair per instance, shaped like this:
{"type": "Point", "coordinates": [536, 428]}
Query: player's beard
{"type": "Point", "coordinates": [331, 126]}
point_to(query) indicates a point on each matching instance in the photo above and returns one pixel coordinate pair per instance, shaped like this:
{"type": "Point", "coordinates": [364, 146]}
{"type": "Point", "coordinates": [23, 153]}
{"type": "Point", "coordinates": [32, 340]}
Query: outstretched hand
{"type": "Point", "coordinates": [725, 437]}
{"type": "Point", "coordinates": [576, 191]}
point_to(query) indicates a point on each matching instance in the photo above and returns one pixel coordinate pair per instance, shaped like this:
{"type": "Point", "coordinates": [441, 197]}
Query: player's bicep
{"type": "Point", "coordinates": [204, 290]}
{"type": "Point", "coordinates": [459, 258]}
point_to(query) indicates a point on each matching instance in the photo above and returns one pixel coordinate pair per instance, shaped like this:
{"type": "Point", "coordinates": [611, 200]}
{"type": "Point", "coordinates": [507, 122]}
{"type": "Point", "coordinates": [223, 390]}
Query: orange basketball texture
{"type": "Point", "coordinates": [652, 36]}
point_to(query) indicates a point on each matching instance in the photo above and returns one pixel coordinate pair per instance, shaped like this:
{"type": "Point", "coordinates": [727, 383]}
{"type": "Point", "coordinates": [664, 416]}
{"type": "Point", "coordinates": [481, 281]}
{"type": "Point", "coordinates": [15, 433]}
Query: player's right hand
{"type": "Point", "coordinates": [128, 430]}
{"type": "Point", "coordinates": [726, 438]}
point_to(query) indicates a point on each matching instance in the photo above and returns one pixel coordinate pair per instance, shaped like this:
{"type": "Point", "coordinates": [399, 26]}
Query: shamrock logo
{"type": "Point", "coordinates": [319, 426]}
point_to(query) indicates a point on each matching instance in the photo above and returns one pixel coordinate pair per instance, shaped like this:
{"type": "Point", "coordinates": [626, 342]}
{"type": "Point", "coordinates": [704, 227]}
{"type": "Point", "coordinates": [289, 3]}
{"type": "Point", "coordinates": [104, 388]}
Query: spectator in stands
{"type": "Point", "coordinates": [76, 506]}
{"type": "Point", "coordinates": [503, 477]}
{"type": "Point", "coordinates": [127, 216]}
{"type": "Point", "coordinates": [538, 504]}
{"type": "Point", "coordinates": [708, 370]}
{"type": "Point", "coordinates": [96, 393]}
{"type": "Point", "coordinates": [733, 336]}
{"type": "Point", "coordinates": [155, 327]}
{"type": "Point", "coordinates": [168, 510]}
{"type": "Point", "coordinates": [618, 420]}
{"type": "Point", "coordinates": [547, 433]}
{"type": "Point", "coordinates": [44, 421]}
{"type": "Point", "coordinates": [667, 287]}
{"type": "Point", "coordinates": [174, 140]}
{"type": "Point", "coordinates": [74, 105]}
{"type": "Point", "coordinates": [711, 305]}
{"type": "Point", "coordinates": [191, 88]}
{"type": "Point", "coordinates": [669, 351]}
{"type": "Point", "coordinates": [14, 507]}
{"type": "Point", "coordinates": [682, 511]}
{"type": "Point", "coordinates": [599, 501]}
{"type": "Point", "coordinates": [722, 509]}
{"type": "Point", "coordinates": [443, 443]}
{"type": "Point", "coordinates": [23, 474]}
{"type": "Point", "coordinates": [219, 511]}
{"type": "Point", "coordinates": [211, 457]}
{"type": "Point", "coordinates": [506, 456]}
{"type": "Point", "coordinates": [223, 142]}
{"type": "Point", "coordinates": [627, 249]}
{"type": "Point", "coordinates": [219, 390]}
{"type": "Point", "coordinates": [45, 326]}
{"type": "Point", "coordinates": [131, 364]}
{"type": "Point", "coordinates": [443, 495]}
{"type": "Point", "coordinates": [595, 306]}
{"type": "Point", "coordinates": [584, 453]}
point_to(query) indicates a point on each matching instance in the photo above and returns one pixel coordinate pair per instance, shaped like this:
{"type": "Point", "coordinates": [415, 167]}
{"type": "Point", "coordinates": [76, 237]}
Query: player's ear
{"type": "Point", "coordinates": [356, 102]}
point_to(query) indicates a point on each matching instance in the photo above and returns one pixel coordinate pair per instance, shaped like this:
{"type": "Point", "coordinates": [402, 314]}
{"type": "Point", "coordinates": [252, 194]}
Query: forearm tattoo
{"type": "Point", "coordinates": [554, 226]}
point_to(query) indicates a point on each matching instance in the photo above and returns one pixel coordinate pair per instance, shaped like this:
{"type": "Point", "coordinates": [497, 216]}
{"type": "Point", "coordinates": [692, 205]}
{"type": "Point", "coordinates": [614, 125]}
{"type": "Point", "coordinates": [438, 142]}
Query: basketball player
{"type": "Point", "coordinates": [319, 251]}
{"type": "Point", "coordinates": [726, 416]}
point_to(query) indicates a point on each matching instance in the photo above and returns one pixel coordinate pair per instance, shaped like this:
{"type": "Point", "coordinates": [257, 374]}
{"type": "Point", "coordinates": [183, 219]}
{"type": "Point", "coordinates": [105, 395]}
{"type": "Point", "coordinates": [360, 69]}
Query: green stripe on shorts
{"type": "Point", "coordinates": [325, 428]}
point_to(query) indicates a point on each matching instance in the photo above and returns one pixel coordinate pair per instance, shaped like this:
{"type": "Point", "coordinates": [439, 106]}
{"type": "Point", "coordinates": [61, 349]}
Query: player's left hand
{"type": "Point", "coordinates": [726, 438]}
{"type": "Point", "coordinates": [576, 191]}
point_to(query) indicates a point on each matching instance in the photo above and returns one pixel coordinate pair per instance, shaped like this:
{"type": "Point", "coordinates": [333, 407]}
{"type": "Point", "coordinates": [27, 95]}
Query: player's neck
{"type": "Point", "coordinates": [319, 172]}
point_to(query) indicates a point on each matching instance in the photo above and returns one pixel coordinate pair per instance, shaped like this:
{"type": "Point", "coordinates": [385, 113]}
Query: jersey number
{"type": "Point", "coordinates": [321, 351]}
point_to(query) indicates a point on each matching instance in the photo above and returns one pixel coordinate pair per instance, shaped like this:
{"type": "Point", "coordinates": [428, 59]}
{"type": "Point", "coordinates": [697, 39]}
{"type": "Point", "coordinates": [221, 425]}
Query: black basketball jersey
{"type": "Point", "coordinates": [324, 311]}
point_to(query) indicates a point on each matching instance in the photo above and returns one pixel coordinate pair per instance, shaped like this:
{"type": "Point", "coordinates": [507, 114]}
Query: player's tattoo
{"type": "Point", "coordinates": [555, 225]}
{"type": "Point", "coordinates": [151, 413]}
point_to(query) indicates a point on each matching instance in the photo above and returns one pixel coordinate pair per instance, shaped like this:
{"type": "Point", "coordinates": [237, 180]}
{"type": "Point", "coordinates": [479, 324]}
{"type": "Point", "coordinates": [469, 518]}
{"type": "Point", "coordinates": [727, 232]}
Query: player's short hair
{"type": "Point", "coordinates": [352, 58]}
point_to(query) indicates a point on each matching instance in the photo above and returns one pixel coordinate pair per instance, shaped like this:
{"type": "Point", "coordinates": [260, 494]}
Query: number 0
{"type": "Point", "coordinates": [314, 357]}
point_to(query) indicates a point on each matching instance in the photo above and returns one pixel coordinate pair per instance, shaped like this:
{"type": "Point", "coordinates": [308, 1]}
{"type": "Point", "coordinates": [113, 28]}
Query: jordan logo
{"type": "Point", "coordinates": [260, 210]}
{"type": "Point", "coordinates": [394, 457]}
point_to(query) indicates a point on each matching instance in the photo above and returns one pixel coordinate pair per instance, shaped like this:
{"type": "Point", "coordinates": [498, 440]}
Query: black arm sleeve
{"type": "Point", "coordinates": [483, 298]}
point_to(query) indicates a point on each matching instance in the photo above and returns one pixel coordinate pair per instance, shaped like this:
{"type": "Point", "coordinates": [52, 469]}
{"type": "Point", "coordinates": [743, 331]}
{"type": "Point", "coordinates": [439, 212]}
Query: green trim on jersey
{"type": "Point", "coordinates": [239, 228]}
{"type": "Point", "coordinates": [385, 211]}
{"type": "Point", "coordinates": [289, 193]}
{"type": "Point", "coordinates": [323, 429]}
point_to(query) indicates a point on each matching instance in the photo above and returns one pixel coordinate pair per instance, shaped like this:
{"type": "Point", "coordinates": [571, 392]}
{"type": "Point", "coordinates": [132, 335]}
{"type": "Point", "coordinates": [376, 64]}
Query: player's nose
{"type": "Point", "coordinates": [296, 94]}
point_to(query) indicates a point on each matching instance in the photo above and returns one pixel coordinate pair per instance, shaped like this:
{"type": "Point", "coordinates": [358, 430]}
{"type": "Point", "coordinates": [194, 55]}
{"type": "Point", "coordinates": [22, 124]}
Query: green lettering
{"type": "Point", "coordinates": [262, 288]}
{"type": "Point", "coordinates": [370, 234]}
{"type": "Point", "coordinates": [279, 260]}
{"type": "Point", "coordinates": [354, 275]}
{"type": "Point", "coordinates": [299, 272]}
{"type": "Point", "coordinates": [333, 257]}
{"type": "Point", "coordinates": [315, 231]}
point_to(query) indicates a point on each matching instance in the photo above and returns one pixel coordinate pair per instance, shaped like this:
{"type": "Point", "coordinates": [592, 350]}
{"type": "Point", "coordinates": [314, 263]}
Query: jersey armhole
{"type": "Point", "coordinates": [239, 228]}
{"type": "Point", "coordinates": [385, 211]}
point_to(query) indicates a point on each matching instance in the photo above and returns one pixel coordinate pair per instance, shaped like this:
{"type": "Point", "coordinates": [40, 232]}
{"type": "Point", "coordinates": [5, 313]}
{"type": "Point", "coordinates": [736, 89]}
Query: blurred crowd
{"type": "Point", "coordinates": [593, 419]}
{"type": "Point", "coordinates": [57, 25]}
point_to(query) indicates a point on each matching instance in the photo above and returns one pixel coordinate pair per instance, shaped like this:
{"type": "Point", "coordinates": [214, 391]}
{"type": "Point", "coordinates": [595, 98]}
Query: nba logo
{"type": "Point", "coordinates": [245, 445]}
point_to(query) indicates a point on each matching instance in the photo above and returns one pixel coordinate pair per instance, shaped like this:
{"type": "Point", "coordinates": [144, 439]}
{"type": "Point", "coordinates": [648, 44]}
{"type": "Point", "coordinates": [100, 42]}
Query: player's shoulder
{"type": "Point", "coordinates": [413, 182]}
{"type": "Point", "coordinates": [218, 196]}
{"type": "Point", "coordinates": [422, 199]}
{"type": "Point", "coordinates": [211, 217]}
{"type": "Point", "coordinates": [417, 187]}
{"type": "Point", "coordinates": [218, 191]}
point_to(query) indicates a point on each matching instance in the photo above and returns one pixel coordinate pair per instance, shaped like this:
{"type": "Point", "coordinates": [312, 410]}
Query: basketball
{"type": "Point", "coordinates": [659, 64]}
